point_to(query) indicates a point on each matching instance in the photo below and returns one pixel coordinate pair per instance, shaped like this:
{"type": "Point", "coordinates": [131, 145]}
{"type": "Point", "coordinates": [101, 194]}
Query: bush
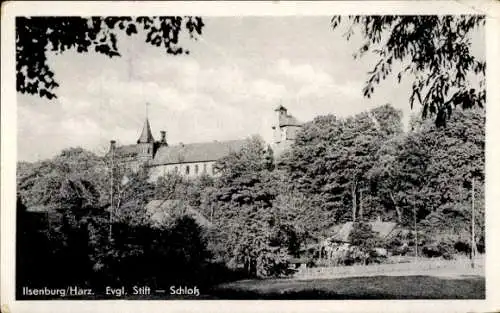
{"type": "Point", "coordinates": [462, 247]}
{"type": "Point", "coordinates": [442, 249]}
{"type": "Point", "coordinates": [365, 238]}
{"type": "Point", "coordinates": [396, 246]}
{"type": "Point", "coordinates": [274, 263]}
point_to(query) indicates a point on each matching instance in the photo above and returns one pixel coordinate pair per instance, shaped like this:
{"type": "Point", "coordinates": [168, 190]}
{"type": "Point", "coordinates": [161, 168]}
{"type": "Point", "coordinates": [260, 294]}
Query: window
{"type": "Point", "coordinates": [187, 169]}
{"type": "Point", "coordinates": [214, 171]}
{"type": "Point", "coordinates": [204, 168]}
{"type": "Point", "coordinates": [196, 169]}
{"type": "Point", "coordinates": [176, 169]}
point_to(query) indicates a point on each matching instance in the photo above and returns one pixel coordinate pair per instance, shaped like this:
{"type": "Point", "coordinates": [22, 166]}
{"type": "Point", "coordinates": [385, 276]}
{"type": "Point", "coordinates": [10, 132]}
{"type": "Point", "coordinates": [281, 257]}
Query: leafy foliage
{"type": "Point", "coordinates": [133, 191]}
{"type": "Point", "coordinates": [364, 237]}
{"type": "Point", "coordinates": [66, 178]}
{"type": "Point", "coordinates": [434, 50]}
{"type": "Point", "coordinates": [158, 256]}
{"type": "Point", "coordinates": [243, 201]}
{"type": "Point", "coordinates": [331, 159]}
{"type": "Point", "coordinates": [35, 36]}
{"type": "Point", "coordinates": [449, 160]}
{"type": "Point", "coordinates": [264, 212]}
{"type": "Point", "coordinates": [423, 176]}
{"type": "Point", "coordinates": [243, 176]}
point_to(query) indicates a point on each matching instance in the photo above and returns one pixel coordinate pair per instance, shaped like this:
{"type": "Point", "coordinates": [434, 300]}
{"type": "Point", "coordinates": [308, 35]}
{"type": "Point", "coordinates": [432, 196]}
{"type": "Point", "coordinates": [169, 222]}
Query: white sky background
{"type": "Point", "coordinates": [226, 88]}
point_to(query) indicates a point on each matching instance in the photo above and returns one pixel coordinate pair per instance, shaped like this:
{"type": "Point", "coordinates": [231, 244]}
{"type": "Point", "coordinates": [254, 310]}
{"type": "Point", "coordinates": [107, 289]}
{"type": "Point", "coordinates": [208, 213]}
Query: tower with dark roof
{"type": "Point", "coordinates": [145, 143]}
{"type": "Point", "coordinates": [286, 127]}
{"type": "Point", "coordinates": [285, 130]}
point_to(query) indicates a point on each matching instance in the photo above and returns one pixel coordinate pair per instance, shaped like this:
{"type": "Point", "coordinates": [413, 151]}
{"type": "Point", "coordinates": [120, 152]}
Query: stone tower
{"type": "Point", "coordinates": [285, 130]}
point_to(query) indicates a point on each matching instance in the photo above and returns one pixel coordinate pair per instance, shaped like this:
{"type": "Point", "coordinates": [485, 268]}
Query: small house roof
{"type": "Point", "coordinates": [341, 232]}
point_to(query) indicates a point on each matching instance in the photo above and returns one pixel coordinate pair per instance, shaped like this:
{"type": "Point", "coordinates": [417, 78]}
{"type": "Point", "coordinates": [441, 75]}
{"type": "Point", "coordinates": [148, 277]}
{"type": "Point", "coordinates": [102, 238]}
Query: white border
{"type": "Point", "coordinates": [8, 149]}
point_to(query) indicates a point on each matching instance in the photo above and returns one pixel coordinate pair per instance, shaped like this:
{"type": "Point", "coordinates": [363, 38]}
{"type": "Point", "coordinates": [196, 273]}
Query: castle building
{"type": "Point", "coordinates": [194, 159]}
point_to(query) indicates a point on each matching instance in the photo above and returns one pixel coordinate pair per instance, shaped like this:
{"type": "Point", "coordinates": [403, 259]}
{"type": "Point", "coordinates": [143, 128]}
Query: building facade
{"type": "Point", "coordinates": [194, 159]}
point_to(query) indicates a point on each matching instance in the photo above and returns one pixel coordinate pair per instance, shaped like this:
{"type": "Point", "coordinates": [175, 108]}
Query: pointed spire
{"type": "Point", "coordinates": [146, 135]}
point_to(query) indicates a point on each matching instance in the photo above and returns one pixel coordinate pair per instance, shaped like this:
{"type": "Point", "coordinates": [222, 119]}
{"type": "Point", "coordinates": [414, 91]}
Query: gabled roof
{"type": "Point", "coordinates": [196, 152]}
{"type": "Point", "coordinates": [342, 231]}
{"type": "Point", "coordinates": [146, 135]}
{"type": "Point", "coordinates": [384, 229]}
{"type": "Point", "coordinates": [159, 210]}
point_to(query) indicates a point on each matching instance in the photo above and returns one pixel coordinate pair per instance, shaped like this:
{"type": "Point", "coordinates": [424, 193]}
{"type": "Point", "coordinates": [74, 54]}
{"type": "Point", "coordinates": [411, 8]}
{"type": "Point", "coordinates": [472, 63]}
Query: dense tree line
{"type": "Point", "coordinates": [360, 168]}
{"type": "Point", "coordinates": [71, 237]}
{"type": "Point", "coordinates": [265, 210]}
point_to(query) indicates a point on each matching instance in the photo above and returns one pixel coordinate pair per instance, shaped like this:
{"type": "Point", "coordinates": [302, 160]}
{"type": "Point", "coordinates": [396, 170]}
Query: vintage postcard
{"type": "Point", "coordinates": [250, 156]}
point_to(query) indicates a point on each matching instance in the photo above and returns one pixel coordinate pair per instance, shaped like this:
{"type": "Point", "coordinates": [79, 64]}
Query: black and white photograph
{"type": "Point", "coordinates": [187, 156]}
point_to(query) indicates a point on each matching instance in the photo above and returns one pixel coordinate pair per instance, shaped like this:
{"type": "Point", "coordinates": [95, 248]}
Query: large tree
{"type": "Point", "coordinates": [259, 235]}
{"type": "Point", "coordinates": [40, 183]}
{"type": "Point", "coordinates": [36, 36]}
{"type": "Point", "coordinates": [435, 51]}
{"type": "Point", "coordinates": [426, 176]}
{"type": "Point", "coordinates": [450, 160]}
{"type": "Point", "coordinates": [331, 159]}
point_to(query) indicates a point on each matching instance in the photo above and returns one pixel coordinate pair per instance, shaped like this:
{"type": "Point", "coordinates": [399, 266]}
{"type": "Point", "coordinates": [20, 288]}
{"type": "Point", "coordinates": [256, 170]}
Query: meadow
{"type": "Point", "coordinates": [410, 279]}
{"type": "Point", "coordinates": [356, 288]}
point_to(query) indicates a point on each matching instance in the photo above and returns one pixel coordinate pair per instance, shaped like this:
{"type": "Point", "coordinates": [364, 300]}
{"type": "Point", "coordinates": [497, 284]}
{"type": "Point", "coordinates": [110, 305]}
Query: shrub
{"type": "Point", "coordinates": [365, 238]}
{"type": "Point", "coordinates": [274, 262]}
{"type": "Point", "coordinates": [442, 249]}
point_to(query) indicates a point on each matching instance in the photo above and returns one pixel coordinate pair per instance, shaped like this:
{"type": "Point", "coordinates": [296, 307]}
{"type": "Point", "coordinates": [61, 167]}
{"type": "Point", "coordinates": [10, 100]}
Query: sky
{"type": "Point", "coordinates": [227, 88]}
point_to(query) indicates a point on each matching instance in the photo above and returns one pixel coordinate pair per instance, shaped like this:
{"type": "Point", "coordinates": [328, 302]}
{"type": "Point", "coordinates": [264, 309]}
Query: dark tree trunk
{"type": "Point", "coordinates": [353, 195]}
{"type": "Point", "coordinates": [398, 211]}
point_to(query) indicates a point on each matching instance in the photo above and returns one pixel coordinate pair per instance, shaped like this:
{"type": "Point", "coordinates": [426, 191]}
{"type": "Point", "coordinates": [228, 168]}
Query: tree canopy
{"type": "Point", "coordinates": [331, 159]}
{"type": "Point", "coordinates": [435, 50]}
{"type": "Point", "coordinates": [35, 36]}
{"type": "Point", "coordinates": [265, 214]}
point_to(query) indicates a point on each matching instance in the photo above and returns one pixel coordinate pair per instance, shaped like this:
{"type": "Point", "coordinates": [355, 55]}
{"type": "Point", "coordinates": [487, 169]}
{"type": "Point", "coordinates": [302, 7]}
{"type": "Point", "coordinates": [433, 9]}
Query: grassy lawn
{"type": "Point", "coordinates": [374, 287]}
{"type": "Point", "coordinates": [355, 288]}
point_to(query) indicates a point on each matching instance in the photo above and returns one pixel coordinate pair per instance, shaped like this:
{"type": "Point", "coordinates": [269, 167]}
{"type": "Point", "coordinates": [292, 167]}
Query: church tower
{"type": "Point", "coordinates": [145, 143]}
